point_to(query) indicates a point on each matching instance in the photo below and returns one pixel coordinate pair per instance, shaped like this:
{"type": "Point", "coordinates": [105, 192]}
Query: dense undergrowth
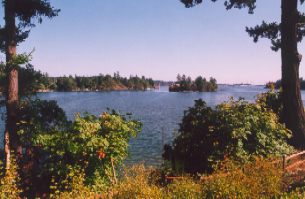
{"type": "Point", "coordinates": [261, 178]}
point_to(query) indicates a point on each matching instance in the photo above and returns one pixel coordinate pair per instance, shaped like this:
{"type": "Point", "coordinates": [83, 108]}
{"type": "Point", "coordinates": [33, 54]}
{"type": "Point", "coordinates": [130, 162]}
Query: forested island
{"type": "Point", "coordinates": [200, 84]}
{"type": "Point", "coordinates": [277, 84]}
{"type": "Point", "coordinates": [42, 82]}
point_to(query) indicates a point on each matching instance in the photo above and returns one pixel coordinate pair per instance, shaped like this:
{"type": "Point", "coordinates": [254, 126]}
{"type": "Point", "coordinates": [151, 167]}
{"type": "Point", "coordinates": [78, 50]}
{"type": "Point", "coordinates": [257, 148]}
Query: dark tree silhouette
{"type": "Point", "coordinates": [285, 36]}
{"type": "Point", "coordinates": [19, 17]}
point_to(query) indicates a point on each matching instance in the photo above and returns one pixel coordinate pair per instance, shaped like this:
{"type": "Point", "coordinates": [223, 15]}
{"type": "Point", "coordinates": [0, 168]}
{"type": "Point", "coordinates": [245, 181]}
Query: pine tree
{"type": "Point", "coordinates": [19, 17]}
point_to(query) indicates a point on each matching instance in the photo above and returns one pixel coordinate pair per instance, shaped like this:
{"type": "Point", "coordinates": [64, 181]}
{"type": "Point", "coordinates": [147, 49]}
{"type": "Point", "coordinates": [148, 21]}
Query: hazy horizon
{"type": "Point", "coordinates": [157, 39]}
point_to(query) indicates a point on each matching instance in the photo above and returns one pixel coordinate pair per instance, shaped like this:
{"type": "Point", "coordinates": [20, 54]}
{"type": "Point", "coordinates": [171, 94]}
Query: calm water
{"type": "Point", "coordinates": [159, 111]}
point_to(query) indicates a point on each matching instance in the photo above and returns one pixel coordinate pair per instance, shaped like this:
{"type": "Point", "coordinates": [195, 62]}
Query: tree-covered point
{"type": "Point", "coordinates": [278, 84]}
{"type": "Point", "coordinates": [100, 83]}
{"type": "Point", "coordinates": [31, 80]}
{"type": "Point", "coordinates": [200, 84]}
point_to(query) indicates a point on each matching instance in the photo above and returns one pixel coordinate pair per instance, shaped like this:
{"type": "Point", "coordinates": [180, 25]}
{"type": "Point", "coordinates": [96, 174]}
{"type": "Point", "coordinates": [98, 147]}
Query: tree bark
{"type": "Point", "coordinates": [293, 110]}
{"type": "Point", "coordinates": [12, 98]}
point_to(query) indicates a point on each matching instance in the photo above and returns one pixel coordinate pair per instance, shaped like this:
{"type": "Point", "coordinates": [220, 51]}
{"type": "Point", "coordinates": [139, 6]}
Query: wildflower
{"type": "Point", "coordinates": [101, 154]}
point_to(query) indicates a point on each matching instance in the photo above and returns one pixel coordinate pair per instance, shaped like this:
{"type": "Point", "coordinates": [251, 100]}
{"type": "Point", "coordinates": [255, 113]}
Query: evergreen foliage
{"type": "Point", "coordinates": [27, 12]}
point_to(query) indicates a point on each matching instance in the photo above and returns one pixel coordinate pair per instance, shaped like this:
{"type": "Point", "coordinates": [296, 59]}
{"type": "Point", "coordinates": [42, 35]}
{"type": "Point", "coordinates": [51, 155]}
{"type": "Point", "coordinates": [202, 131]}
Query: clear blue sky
{"type": "Point", "coordinates": [155, 38]}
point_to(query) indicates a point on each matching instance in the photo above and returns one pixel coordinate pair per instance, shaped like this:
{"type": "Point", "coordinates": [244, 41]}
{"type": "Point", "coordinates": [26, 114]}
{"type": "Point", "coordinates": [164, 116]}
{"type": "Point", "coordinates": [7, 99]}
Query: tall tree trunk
{"type": "Point", "coordinates": [11, 138]}
{"type": "Point", "coordinates": [293, 112]}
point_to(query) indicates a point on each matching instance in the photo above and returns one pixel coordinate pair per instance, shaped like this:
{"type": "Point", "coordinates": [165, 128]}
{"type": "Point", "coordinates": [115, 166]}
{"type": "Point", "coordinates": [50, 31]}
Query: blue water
{"type": "Point", "coordinates": [159, 111]}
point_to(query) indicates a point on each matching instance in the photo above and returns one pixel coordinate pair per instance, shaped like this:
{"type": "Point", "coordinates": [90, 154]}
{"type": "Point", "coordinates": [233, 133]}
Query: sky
{"type": "Point", "coordinates": [155, 38]}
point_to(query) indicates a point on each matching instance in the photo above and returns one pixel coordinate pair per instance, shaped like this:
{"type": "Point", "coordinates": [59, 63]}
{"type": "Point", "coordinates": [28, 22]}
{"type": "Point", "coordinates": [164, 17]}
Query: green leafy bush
{"type": "Point", "coordinates": [237, 129]}
{"type": "Point", "coordinates": [250, 130]}
{"type": "Point", "coordinates": [55, 146]}
{"type": "Point", "coordinates": [93, 143]}
{"type": "Point", "coordinates": [271, 100]}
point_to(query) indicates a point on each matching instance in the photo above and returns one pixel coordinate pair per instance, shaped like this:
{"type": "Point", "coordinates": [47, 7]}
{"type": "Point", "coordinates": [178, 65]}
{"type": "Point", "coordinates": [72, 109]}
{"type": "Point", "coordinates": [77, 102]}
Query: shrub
{"type": "Point", "coordinates": [75, 186]}
{"type": "Point", "coordinates": [247, 130]}
{"type": "Point", "coordinates": [261, 178]}
{"type": "Point", "coordinates": [140, 182]}
{"type": "Point", "coordinates": [55, 146]}
{"type": "Point", "coordinates": [184, 188]}
{"type": "Point", "coordinates": [258, 179]}
{"type": "Point", "coordinates": [38, 118]}
{"type": "Point", "coordinates": [271, 100]}
{"type": "Point", "coordinates": [193, 146]}
{"type": "Point", "coordinates": [93, 143]}
{"type": "Point", "coordinates": [9, 181]}
{"type": "Point", "coordinates": [237, 129]}
{"type": "Point", "coordinates": [295, 194]}
{"type": "Point", "coordinates": [135, 183]}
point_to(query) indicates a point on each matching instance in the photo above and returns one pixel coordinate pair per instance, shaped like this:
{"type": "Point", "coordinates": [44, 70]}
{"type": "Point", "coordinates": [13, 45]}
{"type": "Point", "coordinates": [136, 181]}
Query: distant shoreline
{"type": "Point", "coordinates": [84, 91]}
{"type": "Point", "coordinates": [89, 91]}
{"type": "Point", "coordinates": [134, 90]}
